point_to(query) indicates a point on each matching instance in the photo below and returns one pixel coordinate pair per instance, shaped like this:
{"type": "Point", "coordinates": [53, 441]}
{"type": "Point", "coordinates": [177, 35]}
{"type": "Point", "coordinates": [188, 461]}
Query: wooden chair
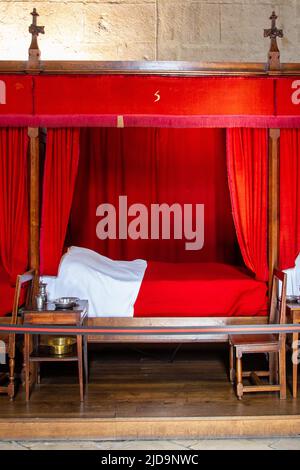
{"type": "Point", "coordinates": [10, 339]}
{"type": "Point", "coordinates": [274, 345]}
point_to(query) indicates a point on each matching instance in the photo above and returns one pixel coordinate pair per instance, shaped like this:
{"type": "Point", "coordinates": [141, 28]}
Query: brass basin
{"type": "Point", "coordinates": [61, 345]}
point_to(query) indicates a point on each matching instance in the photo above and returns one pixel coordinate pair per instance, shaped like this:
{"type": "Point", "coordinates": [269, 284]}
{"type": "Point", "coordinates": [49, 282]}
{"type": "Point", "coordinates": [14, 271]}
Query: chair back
{"type": "Point", "coordinates": [277, 313]}
{"type": "Point", "coordinates": [23, 279]}
{"type": "Point", "coordinates": [27, 278]}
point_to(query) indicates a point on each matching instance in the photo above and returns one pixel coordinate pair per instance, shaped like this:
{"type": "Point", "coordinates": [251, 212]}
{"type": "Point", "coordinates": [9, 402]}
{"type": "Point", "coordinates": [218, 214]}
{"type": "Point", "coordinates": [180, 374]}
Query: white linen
{"type": "Point", "coordinates": [293, 278]}
{"type": "Point", "coordinates": [111, 287]}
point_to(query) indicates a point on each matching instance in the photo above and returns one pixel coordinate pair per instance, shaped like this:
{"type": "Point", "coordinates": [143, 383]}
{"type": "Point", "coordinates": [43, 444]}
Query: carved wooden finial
{"type": "Point", "coordinates": [34, 30]}
{"type": "Point", "coordinates": [273, 33]}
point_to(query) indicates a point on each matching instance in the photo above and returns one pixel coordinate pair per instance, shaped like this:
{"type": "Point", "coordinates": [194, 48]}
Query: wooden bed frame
{"type": "Point", "coordinates": [273, 67]}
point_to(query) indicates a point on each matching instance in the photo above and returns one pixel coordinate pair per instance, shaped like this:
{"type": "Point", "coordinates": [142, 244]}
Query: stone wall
{"type": "Point", "coordinates": [208, 30]}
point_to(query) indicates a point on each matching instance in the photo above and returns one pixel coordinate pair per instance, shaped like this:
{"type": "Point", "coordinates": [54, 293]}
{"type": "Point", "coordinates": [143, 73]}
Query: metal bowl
{"type": "Point", "coordinates": [292, 298]}
{"type": "Point", "coordinates": [65, 302]}
{"type": "Point", "coordinates": [61, 345]}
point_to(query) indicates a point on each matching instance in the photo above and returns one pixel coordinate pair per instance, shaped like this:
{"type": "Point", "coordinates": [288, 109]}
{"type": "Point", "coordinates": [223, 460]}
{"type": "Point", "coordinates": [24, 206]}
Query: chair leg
{"type": "Point", "coordinates": [27, 365]}
{"type": "Point", "coordinates": [11, 355]}
{"type": "Point", "coordinates": [295, 363]}
{"type": "Point", "coordinates": [239, 376]}
{"type": "Point", "coordinates": [11, 386]}
{"type": "Point", "coordinates": [231, 364]}
{"type": "Point", "coordinates": [273, 368]}
{"type": "Point", "coordinates": [282, 371]}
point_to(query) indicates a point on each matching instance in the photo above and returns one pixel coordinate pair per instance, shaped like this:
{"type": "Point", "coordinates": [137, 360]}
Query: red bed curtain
{"type": "Point", "coordinates": [60, 170]}
{"type": "Point", "coordinates": [149, 165]}
{"type": "Point", "coordinates": [247, 162]}
{"type": "Point", "coordinates": [289, 197]}
{"type": "Point", "coordinates": [14, 226]}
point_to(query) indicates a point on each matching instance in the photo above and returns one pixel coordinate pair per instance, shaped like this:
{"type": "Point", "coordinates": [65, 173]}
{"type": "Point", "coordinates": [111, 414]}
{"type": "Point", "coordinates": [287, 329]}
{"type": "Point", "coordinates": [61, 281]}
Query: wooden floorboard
{"type": "Point", "coordinates": [137, 392]}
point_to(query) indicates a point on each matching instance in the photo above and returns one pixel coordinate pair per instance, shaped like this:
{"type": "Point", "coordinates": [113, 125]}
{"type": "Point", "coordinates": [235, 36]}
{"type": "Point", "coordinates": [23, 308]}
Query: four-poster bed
{"type": "Point", "coordinates": [57, 95]}
{"type": "Point", "coordinates": [80, 101]}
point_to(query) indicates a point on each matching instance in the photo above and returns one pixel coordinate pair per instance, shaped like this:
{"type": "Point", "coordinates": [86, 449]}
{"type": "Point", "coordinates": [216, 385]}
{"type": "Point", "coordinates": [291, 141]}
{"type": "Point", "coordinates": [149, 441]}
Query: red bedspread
{"type": "Point", "coordinates": [199, 290]}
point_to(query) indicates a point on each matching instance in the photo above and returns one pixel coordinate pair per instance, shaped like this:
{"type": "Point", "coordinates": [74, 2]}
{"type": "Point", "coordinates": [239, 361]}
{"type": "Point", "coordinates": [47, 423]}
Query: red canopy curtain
{"type": "Point", "coordinates": [14, 226]}
{"type": "Point", "coordinates": [247, 163]}
{"type": "Point", "coordinates": [149, 165]}
{"type": "Point", "coordinates": [61, 164]}
{"type": "Point", "coordinates": [289, 238]}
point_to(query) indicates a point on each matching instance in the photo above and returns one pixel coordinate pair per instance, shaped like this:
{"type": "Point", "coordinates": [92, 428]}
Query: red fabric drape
{"type": "Point", "coordinates": [289, 238]}
{"type": "Point", "coordinates": [60, 170]}
{"type": "Point", "coordinates": [13, 201]}
{"type": "Point", "coordinates": [149, 165]}
{"type": "Point", "coordinates": [247, 163]}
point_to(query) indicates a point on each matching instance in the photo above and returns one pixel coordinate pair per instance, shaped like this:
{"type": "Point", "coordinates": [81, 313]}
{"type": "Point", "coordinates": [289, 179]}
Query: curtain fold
{"type": "Point", "coordinates": [289, 235]}
{"type": "Point", "coordinates": [247, 164]}
{"type": "Point", "coordinates": [60, 171]}
{"type": "Point", "coordinates": [14, 225]}
{"type": "Point", "coordinates": [154, 166]}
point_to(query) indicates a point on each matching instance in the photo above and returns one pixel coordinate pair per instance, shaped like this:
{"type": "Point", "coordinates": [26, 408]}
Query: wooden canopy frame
{"type": "Point", "coordinates": [273, 67]}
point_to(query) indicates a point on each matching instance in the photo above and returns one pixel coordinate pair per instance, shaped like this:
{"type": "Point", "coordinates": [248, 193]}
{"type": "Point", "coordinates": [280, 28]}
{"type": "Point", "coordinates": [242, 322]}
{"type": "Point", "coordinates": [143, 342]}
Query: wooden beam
{"type": "Point", "coordinates": [273, 213]}
{"type": "Point", "coordinates": [33, 134]}
{"type": "Point", "coordinates": [168, 322]}
{"type": "Point", "coordinates": [167, 68]}
{"type": "Point", "coordinates": [149, 427]}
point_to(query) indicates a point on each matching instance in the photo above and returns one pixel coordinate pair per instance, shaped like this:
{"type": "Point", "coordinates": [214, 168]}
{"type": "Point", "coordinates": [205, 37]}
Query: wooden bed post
{"type": "Point", "coordinates": [273, 213]}
{"type": "Point", "coordinates": [33, 66]}
{"type": "Point", "coordinates": [33, 134]}
{"type": "Point", "coordinates": [273, 65]}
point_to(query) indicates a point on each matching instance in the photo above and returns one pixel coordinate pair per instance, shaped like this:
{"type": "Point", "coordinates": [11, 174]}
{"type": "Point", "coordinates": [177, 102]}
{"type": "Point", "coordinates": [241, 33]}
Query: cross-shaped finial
{"type": "Point", "coordinates": [273, 33]}
{"type": "Point", "coordinates": [34, 30]}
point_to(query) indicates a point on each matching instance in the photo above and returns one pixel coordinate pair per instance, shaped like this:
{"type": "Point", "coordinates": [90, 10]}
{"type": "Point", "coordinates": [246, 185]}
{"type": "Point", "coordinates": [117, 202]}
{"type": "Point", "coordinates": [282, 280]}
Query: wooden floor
{"type": "Point", "coordinates": [143, 391]}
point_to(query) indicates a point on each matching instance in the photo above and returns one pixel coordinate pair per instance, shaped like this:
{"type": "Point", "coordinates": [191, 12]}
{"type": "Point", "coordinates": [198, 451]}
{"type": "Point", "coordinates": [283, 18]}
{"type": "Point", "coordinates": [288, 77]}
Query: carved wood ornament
{"type": "Point", "coordinates": [34, 52]}
{"type": "Point", "coordinates": [273, 33]}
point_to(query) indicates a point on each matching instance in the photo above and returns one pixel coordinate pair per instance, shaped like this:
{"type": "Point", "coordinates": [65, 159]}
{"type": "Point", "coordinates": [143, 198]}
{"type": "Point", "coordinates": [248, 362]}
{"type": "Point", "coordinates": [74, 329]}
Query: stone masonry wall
{"type": "Point", "coordinates": [204, 30]}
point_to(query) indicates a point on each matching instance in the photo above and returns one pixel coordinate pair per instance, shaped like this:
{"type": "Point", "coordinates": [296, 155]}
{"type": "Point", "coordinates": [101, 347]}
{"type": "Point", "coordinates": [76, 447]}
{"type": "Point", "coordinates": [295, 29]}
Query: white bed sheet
{"type": "Point", "coordinates": [111, 287]}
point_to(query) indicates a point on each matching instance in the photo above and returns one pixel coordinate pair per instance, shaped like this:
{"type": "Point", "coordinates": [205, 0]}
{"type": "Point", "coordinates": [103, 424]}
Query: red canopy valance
{"type": "Point", "coordinates": [149, 101]}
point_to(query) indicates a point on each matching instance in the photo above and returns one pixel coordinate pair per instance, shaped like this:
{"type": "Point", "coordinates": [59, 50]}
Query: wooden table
{"type": "Point", "coordinates": [51, 316]}
{"type": "Point", "coordinates": [293, 314]}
